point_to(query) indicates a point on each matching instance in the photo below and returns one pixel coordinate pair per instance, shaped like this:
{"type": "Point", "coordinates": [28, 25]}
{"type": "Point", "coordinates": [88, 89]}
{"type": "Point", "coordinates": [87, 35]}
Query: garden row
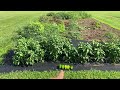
{"type": "Point", "coordinates": [45, 41]}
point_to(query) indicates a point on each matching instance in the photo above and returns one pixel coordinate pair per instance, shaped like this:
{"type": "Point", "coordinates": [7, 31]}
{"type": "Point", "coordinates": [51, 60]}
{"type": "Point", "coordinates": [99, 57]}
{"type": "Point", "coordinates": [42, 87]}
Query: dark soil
{"type": "Point", "coordinates": [53, 66]}
{"type": "Point", "coordinates": [47, 66]}
{"type": "Point", "coordinates": [92, 32]}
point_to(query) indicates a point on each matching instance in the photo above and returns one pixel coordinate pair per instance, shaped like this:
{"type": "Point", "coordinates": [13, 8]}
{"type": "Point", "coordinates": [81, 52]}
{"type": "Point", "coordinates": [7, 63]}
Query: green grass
{"type": "Point", "coordinates": [84, 74]}
{"type": "Point", "coordinates": [10, 22]}
{"type": "Point", "coordinates": [28, 75]}
{"type": "Point", "coordinates": [111, 18]}
{"type": "Point", "coordinates": [92, 74]}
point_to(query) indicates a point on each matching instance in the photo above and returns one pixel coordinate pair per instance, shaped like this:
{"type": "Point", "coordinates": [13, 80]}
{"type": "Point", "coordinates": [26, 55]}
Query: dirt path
{"type": "Point", "coordinates": [60, 75]}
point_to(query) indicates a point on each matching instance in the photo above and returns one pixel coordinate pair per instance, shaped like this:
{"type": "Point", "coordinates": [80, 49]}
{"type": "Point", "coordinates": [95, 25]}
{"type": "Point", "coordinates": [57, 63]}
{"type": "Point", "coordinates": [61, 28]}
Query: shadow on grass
{"type": "Point", "coordinates": [7, 58]}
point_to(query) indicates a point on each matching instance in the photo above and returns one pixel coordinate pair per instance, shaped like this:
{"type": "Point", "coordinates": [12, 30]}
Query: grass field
{"type": "Point", "coordinates": [111, 18]}
{"type": "Point", "coordinates": [86, 74]}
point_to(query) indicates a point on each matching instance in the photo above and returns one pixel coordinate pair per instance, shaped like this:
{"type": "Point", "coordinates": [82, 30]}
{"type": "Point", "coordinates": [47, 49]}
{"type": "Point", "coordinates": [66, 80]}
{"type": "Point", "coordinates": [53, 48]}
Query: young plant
{"type": "Point", "coordinates": [27, 52]}
{"type": "Point", "coordinates": [112, 52]}
{"type": "Point", "coordinates": [98, 53]}
{"type": "Point", "coordinates": [84, 51]}
{"type": "Point", "coordinates": [31, 30]}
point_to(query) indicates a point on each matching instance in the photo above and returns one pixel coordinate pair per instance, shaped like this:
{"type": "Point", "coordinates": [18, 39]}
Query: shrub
{"type": "Point", "coordinates": [61, 27]}
{"type": "Point", "coordinates": [69, 52]}
{"type": "Point", "coordinates": [84, 15]}
{"type": "Point", "coordinates": [50, 14]}
{"type": "Point", "coordinates": [84, 51]}
{"type": "Point", "coordinates": [54, 47]}
{"type": "Point", "coordinates": [112, 52]}
{"type": "Point", "coordinates": [98, 53]}
{"type": "Point", "coordinates": [44, 19]}
{"type": "Point", "coordinates": [73, 25]}
{"type": "Point", "coordinates": [112, 37]}
{"type": "Point", "coordinates": [31, 30]}
{"type": "Point", "coordinates": [73, 35]}
{"type": "Point", "coordinates": [63, 15]}
{"type": "Point", "coordinates": [27, 52]}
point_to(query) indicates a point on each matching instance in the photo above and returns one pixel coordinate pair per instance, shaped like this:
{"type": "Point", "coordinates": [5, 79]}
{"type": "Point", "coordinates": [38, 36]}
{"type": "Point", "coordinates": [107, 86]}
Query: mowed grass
{"type": "Point", "coordinates": [10, 22]}
{"type": "Point", "coordinates": [111, 18]}
{"type": "Point", "coordinates": [92, 74]}
{"type": "Point", "coordinates": [29, 75]}
{"type": "Point", "coordinates": [84, 74]}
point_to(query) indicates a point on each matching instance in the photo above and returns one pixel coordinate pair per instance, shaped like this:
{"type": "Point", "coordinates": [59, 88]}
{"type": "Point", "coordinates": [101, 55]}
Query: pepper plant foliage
{"type": "Point", "coordinates": [97, 54]}
{"type": "Point", "coordinates": [27, 52]}
{"type": "Point", "coordinates": [112, 52]}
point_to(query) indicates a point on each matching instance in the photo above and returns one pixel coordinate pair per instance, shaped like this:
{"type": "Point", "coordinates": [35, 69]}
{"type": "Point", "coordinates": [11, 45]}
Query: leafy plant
{"type": "Point", "coordinates": [31, 30]}
{"type": "Point", "coordinates": [62, 15]}
{"type": "Point", "coordinates": [112, 37]}
{"type": "Point", "coordinates": [73, 25]}
{"type": "Point", "coordinates": [84, 51]}
{"type": "Point", "coordinates": [84, 15]}
{"type": "Point", "coordinates": [54, 47]}
{"type": "Point", "coordinates": [44, 19]}
{"type": "Point", "coordinates": [69, 52]}
{"type": "Point", "coordinates": [97, 25]}
{"type": "Point", "coordinates": [27, 52]}
{"type": "Point", "coordinates": [98, 53]}
{"type": "Point", "coordinates": [61, 27]}
{"type": "Point", "coordinates": [112, 52]}
{"type": "Point", "coordinates": [50, 14]}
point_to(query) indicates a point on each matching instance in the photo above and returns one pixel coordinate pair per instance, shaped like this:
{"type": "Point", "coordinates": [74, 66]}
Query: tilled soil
{"type": "Point", "coordinates": [92, 32]}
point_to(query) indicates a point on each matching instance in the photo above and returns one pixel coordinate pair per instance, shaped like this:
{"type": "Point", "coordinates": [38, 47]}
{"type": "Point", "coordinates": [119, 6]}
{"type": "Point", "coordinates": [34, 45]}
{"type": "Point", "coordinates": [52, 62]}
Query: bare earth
{"type": "Point", "coordinates": [91, 33]}
{"type": "Point", "coordinates": [60, 75]}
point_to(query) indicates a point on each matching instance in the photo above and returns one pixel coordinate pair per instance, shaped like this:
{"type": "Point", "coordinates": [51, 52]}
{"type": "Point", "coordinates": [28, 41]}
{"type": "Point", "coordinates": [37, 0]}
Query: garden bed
{"type": "Point", "coordinates": [48, 40]}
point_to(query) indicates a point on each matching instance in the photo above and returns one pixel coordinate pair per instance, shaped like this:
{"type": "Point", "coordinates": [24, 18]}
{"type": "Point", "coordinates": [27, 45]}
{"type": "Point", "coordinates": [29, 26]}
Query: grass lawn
{"type": "Point", "coordinates": [86, 74]}
{"type": "Point", "coordinates": [111, 18]}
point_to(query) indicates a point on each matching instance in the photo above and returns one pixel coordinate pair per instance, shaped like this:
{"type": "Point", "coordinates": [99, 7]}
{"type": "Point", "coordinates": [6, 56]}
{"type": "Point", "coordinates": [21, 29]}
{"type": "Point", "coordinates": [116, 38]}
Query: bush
{"type": "Point", "coordinates": [84, 15]}
{"type": "Point", "coordinates": [98, 53]}
{"type": "Point", "coordinates": [50, 14]}
{"type": "Point", "coordinates": [27, 52]}
{"type": "Point", "coordinates": [112, 37]}
{"type": "Point", "coordinates": [44, 19]}
{"type": "Point", "coordinates": [72, 30]}
{"type": "Point", "coordinates": [73, 35]}
{"type": "Point", "coordinates": [31, 30]}
{"type": "Point", "coordinates": [54, 47]}
{"type": "Point", "coordinates": [91, 52]}
{"type": "Point", "coordinates": [73, 25]}
{"type": "Point", "coordinates": [84, 51]}
{"type": "Point", "coordinates": [62, 15]}
{"type": "Point", "coordinates": [71, 15]}
{"type": "Point", "coordinates": [112, 52]}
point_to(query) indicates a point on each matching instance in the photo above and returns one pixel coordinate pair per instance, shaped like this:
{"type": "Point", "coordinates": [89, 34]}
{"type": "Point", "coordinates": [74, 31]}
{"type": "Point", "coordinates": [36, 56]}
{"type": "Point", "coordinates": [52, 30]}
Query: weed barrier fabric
{"type": "Point", "coordinates": [53, 66]}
